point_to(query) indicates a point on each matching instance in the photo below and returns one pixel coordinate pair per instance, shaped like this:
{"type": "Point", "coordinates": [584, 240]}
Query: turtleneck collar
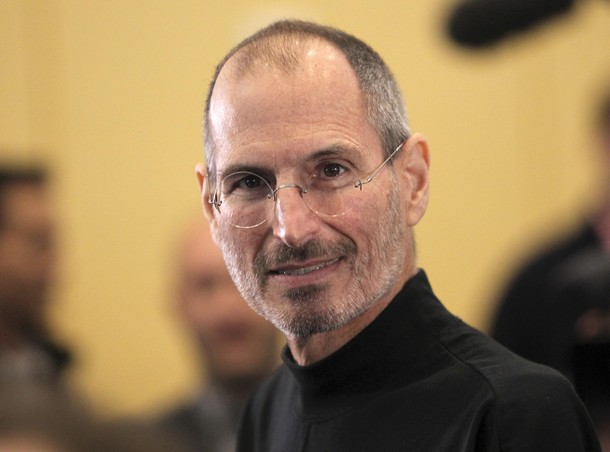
{"type": "Point", "coordinates": [388, 352]}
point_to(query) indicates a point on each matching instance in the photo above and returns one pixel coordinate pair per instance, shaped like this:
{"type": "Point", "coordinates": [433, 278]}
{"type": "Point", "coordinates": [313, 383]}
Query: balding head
{"type": "Point", "coordinates": [281, 45]}
{"type": "Point", "coordinates": [238, 347]}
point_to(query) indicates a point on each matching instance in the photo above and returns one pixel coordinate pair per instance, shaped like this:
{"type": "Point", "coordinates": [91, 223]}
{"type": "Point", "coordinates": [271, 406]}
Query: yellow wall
{"type": "Point", "coordinates": [110, 92]}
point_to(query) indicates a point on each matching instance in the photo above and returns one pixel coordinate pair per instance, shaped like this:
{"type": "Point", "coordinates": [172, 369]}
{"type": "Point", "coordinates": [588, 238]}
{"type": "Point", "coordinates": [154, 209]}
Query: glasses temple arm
{"type": "Point", "coordinates": [374, 173]}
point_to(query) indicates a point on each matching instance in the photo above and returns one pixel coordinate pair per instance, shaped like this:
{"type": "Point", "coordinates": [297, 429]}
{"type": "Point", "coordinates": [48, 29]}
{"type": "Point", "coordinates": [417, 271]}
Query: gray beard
{"type": "Point", "coordinates": [307, 310]}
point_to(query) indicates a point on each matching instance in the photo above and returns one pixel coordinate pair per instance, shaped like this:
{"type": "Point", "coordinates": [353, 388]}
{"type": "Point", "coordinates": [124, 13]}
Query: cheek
{"type": "Point", "coordinates": [240, 246]}
{"type": "Point", "coordinates": [362, 220]}
{"type": "Point", "coordinates": [379, 219]}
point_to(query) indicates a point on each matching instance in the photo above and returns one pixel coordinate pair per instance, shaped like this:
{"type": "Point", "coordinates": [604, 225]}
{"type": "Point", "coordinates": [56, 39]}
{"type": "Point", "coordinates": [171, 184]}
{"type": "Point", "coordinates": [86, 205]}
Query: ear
{"type": "Point", "coordinates": [208, 209]}
{"type": "Point", "coordinates": [415, 166]}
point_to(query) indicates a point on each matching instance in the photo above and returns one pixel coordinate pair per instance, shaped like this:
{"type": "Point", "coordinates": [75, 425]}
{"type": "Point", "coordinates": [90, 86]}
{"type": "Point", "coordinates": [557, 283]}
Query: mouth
{"type": "Point", "coordinates": [298, 271]}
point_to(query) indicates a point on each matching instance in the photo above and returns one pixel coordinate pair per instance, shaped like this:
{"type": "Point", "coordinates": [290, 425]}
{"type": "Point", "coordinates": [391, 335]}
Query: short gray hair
{"type": "Point", "coordinates": [275, 44]}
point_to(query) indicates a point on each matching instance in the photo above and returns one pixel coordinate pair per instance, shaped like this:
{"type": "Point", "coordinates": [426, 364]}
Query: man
{"type": "Point", "coordinates": [556, 308]}
{"type": "Point", "coordinates": [313, 186]}
{"type": "Point", "coordinates": [27, 270]}
{"type": "Point", "coordinates": [238, 347]}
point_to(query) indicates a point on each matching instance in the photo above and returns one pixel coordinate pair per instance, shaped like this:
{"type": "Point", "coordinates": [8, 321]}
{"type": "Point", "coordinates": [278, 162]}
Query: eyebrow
{"type": "Point", "coordinates": [335, 150]}
{"type": "Point", "coordinates": [347, 153]}
{"type": "Point", "coordinates": [331, 151]}
{"type": "Point", "coordinates": [240, 167]}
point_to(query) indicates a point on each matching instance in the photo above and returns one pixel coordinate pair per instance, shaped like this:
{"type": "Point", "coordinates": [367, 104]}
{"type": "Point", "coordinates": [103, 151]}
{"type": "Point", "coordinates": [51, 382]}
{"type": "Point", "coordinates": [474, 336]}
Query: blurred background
{"type": "Point", "coordinates": [109, 93]}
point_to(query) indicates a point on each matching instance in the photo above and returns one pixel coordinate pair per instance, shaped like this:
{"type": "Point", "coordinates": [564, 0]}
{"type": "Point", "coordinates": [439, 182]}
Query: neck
{"type": "Point", "coordinates": [317, 347]}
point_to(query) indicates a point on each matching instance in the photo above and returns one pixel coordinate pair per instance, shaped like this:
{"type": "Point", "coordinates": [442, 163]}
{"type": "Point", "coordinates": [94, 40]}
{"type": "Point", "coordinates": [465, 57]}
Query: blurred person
{"type": "Point", "coordinates": [313, 185]}
{"type": "Point", "coordinates": [238, 348]}
{"type": "Point", "coordinates": [37, 417]}
{"type": "Point", "coordinates": [38, 412]}
{"type": "Point", "coordinates": [555, 309]}
{"type": "Point", "coordinates": [27, 272]}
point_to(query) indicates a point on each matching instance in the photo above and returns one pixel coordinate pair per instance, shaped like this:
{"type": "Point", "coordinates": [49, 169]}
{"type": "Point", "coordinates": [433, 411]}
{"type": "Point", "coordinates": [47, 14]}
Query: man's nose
{"type": "Point", "coordinates": [294, 223]}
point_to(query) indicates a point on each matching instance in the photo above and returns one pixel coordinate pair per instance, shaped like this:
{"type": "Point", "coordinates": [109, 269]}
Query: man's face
{"type": "Point", "coordinates": [238, 345]}
{"type": "Point", "coordinates": [27, 256]}
{"type": "Point", "coordinates": [308, 273]}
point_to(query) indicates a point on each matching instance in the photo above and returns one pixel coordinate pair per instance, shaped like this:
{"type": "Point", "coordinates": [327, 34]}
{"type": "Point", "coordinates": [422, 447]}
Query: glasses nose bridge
{"type": "Point", "coordinates": [302, 190]}
{"type": "Point", "coordinates": [277, 204]}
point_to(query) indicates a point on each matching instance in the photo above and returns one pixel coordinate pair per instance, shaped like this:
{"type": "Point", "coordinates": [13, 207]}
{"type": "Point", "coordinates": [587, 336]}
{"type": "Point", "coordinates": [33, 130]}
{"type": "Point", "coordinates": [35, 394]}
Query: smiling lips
{"type": "Point", "coordinates": [296, 271]}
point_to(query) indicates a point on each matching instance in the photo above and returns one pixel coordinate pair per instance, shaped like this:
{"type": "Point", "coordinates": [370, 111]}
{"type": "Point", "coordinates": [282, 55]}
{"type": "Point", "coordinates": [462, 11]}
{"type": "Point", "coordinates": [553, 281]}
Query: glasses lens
{"type": "Point", "coordinates": [331, 189]}
{"type": "Point", "coordinates": [243, 197]}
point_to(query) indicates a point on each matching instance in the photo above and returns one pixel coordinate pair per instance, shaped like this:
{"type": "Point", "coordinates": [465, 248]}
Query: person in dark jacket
{"type": "Point", "coordinates": [555, 309]}
{"type": "Point", "coordinates": [312, 188]}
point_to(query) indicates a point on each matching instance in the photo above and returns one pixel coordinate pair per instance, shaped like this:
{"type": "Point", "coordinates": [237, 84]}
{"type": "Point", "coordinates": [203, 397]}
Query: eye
{"type": "Point", "coordinates": [332, 170]}
{"type": "Point", "coordinates": [250, 182]}
{"type": "Point", "coordinates": [245, 184]}
{"type": "Point", "coordinates": [332, 175]}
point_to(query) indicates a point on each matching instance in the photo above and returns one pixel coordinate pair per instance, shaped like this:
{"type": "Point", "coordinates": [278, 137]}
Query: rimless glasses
{"type": "Point", "coordinates": [242, 197]}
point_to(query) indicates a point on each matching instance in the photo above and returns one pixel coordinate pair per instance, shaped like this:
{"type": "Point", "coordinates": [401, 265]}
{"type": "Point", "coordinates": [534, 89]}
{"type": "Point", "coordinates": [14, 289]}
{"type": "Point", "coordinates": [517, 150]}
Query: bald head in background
{"type": "Point", "coordinates": [237, 345]}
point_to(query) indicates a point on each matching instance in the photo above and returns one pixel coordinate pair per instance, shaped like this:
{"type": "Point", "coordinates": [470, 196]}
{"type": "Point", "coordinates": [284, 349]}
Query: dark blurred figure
{"type": "Point", "coordinates": [556, 309]}
{"type": "Point", "coordinates": [38, 412]}
{"type": "Point", "coordinates": [478, 24]}
{"type": "Point", "coordinates": [27, 268]}
{"type": "Point", "coordinates": [238, 347]}
{"type": "Point", "coordinates": [42, 418]}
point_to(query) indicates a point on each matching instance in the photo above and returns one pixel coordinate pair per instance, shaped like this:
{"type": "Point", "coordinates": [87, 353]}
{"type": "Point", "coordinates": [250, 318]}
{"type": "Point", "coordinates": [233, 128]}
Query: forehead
{"type": "Point", "coordinates": [270, 113]}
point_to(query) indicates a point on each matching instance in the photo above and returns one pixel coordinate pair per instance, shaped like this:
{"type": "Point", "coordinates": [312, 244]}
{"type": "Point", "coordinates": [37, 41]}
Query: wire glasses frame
{"type": "Point", "coordinates": [217, 203]}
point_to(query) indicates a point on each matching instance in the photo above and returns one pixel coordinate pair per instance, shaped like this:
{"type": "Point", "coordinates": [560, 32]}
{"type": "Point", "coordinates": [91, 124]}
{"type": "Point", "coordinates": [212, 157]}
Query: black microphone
{"type": "Point", "coordinates": [478, 23]}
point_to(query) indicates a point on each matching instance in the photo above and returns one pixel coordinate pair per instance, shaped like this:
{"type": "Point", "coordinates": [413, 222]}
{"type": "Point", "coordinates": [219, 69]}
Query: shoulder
{"type": "Point", "coordinates": [536, 405]}
{"type": "Point", "coordinates": [507, 375]}
{"type": "Point", "coordinates": [525, 389]}
{"type": "Point", "coordinates": [528, 403]}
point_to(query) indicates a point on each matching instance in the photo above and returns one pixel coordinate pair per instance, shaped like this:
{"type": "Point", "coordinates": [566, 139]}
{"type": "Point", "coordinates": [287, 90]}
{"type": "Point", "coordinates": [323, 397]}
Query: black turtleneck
{"type": "Point", "coordinates": [416, 379]}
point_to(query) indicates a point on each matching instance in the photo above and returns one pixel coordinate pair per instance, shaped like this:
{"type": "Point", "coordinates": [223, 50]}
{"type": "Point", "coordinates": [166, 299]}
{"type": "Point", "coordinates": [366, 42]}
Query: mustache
{"type": "Point", "coordinates": [282, 254]}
